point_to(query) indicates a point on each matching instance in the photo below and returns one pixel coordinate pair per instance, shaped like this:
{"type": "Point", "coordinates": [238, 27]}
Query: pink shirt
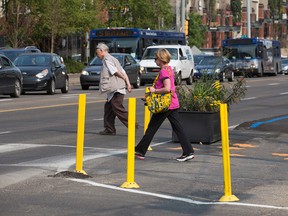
{"type": "Point", "coordinates": [168, 74]}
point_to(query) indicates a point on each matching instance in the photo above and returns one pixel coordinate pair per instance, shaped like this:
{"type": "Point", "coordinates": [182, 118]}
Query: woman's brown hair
{"type": "Point", "coordinates": [163, 55]}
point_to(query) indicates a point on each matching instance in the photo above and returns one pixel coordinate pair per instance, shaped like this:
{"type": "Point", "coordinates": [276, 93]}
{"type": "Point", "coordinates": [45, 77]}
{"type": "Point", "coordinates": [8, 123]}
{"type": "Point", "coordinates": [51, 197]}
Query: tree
{"type": "Point", "coordinates": [196, 30]}
{"type": "Point", "coordinates": [59, 18]}
{"type": "Point", "coordinates": [29, 22]}
{"type": "Point", "coordinates": [236, 10]}
{"type": "Point", "coordinates": [140, 14]}
{"type": "Point", "coordinates": [18, 22]}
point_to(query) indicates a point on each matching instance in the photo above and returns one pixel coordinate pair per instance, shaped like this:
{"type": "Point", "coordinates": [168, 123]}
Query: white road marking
{"type": "Point", "coordinates": [3, 100]}
{"type": "Point", "coordinates": [272, 84]}
{"type": "Point", "coordinates": [233, 126]}
{"type": "Point", "coordinates": [169, 197]}
{"type": "Point", "coordinates": [16, 146]}
{"type": "Point", "coordinates": [99, 119]}
{"type": "Point", "coordinates": [251, 98]}
{"type": "Point", "coordinates": [5, 132]}
{"type": "Point", "coordinates": [283, 93]}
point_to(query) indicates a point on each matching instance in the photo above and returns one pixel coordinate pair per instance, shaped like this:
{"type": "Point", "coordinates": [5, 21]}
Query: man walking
{"type": "Point", "coordinates": [113, 81]}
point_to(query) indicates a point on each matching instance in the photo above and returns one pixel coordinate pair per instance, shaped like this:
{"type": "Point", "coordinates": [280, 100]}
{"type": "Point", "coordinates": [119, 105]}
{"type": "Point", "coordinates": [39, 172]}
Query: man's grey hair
{"type": "Point", "coordinates": [103, 47]}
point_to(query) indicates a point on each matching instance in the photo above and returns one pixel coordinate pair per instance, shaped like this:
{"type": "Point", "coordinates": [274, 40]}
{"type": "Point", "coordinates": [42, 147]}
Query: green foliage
{"type": "Point", "coordinates": [140, 13]}
{"type": "Point", "coordinates": [36, 20]}
{"type": "Point", "coordinates": [236, 9]}
{"type": "Point", "coordinates": [275, 7]}
{"type": "Point", "coordinates": [73, 66]}
{"type": "Point", "coordinates": [196, 30]}
{"type": "Point", "coordinates": [207, 94]}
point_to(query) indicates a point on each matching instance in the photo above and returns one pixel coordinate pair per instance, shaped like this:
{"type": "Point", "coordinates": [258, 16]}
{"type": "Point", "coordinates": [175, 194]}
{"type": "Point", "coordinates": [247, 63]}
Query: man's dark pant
{"type": "Point", "coordinates": [112, 109]}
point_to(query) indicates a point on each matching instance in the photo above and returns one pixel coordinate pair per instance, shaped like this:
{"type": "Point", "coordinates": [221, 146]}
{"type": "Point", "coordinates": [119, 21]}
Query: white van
{"type": "Point", "coordinates": [181, 61]}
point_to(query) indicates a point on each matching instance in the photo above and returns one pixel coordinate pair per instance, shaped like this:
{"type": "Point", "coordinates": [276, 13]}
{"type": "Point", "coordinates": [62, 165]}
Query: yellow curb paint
{"type": "Point", "coordinates": [236, 148]}
{"type": "Point", "coordinates": [237, 155]}
{"type": "Point", "coordinates": [280, 154]}
{"type": "Point", "coordinates": [244, 145]}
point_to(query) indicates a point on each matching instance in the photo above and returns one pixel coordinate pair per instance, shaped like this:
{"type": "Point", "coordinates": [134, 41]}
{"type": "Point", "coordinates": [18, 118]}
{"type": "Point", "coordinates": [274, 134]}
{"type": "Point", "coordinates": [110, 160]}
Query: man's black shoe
{"type": "Point", "coordinates": [106, 132]}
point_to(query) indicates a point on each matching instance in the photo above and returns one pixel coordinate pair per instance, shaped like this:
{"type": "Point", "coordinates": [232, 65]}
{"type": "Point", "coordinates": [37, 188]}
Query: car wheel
{"type": "Point", "coordinates": [17, 89]}
{"type": "Point", "coordinates": [189, 80]}
{"type": "Point", "coordinates": [65, 89]}
{"type": "Point", "coordinates": [51, 89]}
{"type": "Point", "coordinates": [138, 82]}
{"type": "Point", "coordinates": [231, 78]}
{"type": "Point", "coordinates": [178, 79]}
{"type": "Point", "coordinates": [85, 87]}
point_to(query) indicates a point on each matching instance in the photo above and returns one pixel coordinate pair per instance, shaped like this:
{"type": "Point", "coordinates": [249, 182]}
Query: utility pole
{"type": "Point", "coordinates": [183, 15]}
{"type": "Point", "coordinates": [248, 19]}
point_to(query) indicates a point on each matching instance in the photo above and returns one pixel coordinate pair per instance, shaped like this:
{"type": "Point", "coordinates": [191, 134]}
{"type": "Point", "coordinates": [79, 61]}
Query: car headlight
{"type": "Point", "coordinates": [42, 74]}
{"type": "Point", "coordinates": [285, 68]}
{"type": "Point", "coordinates": [217, 70]}
{"type": "Point", "coordinates": [84, 73]}
{"type": "Point", "coordinates": [142, 69]}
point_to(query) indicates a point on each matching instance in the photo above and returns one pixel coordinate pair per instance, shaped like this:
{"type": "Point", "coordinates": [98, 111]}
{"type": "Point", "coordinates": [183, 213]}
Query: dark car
{"type": "Point", "coordinates": [10, 78]}
{"type": "Point", "coordinates": [198, 58]}
{"type": "Point", "coordinates": [13, 53]}
{"type": "Point", "coordinates": [43, 72]}
{"type": "Point", "coordinates": [90, 75]}
{"type": "Point", "coordinates": [218, 67]}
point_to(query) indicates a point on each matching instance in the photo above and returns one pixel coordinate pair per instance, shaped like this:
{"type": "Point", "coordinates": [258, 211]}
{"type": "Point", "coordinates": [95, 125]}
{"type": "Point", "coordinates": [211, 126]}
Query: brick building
{"type": "Point", "coordinates": [263, 25]}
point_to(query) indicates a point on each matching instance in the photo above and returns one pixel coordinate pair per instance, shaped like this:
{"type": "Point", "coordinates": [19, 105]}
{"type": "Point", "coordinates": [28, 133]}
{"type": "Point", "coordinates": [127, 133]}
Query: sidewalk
{"type": "Point", "coordinates": [74, 78]}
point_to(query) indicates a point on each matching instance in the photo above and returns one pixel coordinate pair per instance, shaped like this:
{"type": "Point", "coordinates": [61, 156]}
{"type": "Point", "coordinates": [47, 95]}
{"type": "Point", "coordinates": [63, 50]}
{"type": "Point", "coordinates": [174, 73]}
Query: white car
{"type": "Point", "coordinates": [284, 69]}
{"type": "Point", "coordinates": [181, 61]}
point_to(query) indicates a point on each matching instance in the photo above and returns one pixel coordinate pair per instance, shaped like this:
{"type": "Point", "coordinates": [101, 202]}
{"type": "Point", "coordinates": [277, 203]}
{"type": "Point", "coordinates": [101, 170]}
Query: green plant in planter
{"type": "Point", "coordinates": [207, 94]}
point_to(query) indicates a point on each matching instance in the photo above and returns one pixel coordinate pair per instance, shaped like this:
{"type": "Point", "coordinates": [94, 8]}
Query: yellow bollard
{"type": "Point", "coordinates": [146, 119]}
{"type": "Point", "coordinates": [131, 145]}
{"type": "Point", "coordinates": [80, 134]}
{"type": "Point", "coordinates": [227, 197]}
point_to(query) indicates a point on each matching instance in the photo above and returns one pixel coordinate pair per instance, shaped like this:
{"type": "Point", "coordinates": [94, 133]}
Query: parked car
{"type": "Point", "coordinates": [198, 58]}
{"type": "Point", "coordinates": [10, 78]}
{"type": "Point", "coordinates": [90, 75]}
{"type": "Point", "coordinates": [43, 72]}
{"type": "Point", "coordinates": [182, 62]}
{"type": "Point", "coordinates": [284, 69]}
{"type": "Point", "coordinates": [218, 67]}
{"type": "Point", "coordinates": [13, 53]}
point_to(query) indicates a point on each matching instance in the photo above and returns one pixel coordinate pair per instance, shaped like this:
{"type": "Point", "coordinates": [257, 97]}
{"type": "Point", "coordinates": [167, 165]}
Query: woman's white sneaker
{"type": "Point", "coordinates": [183, 158]}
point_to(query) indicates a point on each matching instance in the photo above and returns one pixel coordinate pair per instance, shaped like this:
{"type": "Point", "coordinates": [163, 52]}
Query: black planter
{"type": "Point", "coordinates": [201, 127]}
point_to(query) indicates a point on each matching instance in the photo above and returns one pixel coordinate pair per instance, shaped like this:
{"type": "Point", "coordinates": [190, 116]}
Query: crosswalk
{"type": "Point", "coordinates": [11, 172]}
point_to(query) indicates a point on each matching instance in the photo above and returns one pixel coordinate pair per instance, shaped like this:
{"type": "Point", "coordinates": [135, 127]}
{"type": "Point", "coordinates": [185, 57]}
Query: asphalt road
{"type": "Point", "coordinates": [38, 139]}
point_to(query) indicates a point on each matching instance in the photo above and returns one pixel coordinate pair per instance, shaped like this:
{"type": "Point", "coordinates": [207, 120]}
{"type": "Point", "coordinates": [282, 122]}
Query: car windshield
{"type": "Point", "coordinates": [149, 53]}
{"type": "Point", "coordinates": [11, 54]}
{"type": "Point", "coordinates": [98, 62]}
{"type": "Point", "coordinates": [198, 58]}
{"type": "Point", "coordinates": [33, 60]}
{"type": "Point", "coordinates": [210, 61]}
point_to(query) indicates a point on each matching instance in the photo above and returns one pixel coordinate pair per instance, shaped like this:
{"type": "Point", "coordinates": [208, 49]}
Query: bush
{"type": "Point", "coordinates": [73, 66]}
{"type": "Point", "coordinates": [207, 94]}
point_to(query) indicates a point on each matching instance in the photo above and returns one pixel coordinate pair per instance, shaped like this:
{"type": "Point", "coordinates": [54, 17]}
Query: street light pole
{"type": "Point", "coordinates": [183, 15]}
{"type": "Point", "coordinates": [248, 19]}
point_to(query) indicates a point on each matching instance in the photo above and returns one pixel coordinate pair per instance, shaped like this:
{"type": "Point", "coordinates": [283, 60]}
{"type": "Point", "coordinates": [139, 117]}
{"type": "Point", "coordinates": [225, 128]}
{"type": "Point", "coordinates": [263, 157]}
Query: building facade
{"type": "Point", "coordinates": [221, 25]}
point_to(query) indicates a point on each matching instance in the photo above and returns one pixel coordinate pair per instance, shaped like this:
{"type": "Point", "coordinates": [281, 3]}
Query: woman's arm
{"type": "Point", "coordinates": [165, 89]}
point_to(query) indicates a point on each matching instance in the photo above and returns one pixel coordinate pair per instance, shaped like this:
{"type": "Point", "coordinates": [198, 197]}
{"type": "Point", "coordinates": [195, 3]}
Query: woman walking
{"type": "Point", "coordinates": [164, 84]}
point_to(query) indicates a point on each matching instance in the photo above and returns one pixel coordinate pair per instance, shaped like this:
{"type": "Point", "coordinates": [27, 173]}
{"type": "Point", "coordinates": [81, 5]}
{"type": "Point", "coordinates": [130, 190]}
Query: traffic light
{"type": "Point", "coordinates": [186, 27]}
